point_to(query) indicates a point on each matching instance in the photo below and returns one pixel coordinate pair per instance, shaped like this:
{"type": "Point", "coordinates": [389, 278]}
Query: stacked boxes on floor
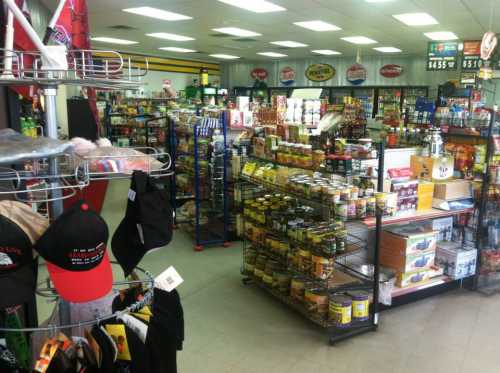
{"type": "Point", "coordinates": [409, 250]}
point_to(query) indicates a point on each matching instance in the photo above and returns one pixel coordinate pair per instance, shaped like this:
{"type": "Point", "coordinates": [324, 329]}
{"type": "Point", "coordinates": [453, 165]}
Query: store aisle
{"type": "Point", "coordinates": [240, 329]}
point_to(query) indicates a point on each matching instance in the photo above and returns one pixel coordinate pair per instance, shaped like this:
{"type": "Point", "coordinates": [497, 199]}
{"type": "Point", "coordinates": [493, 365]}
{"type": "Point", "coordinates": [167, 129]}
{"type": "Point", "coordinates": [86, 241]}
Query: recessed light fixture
{"type": "Point", "coordinates": [388, 49]}
{"type": "Point", "coordinates": [441, 35]}
{"type": "Point", "coordinates": [178, 50]}
{"type": "Point", "coordinates": [105, 39]}
{"type": "Point", "coordinates": [317, 26]}
{"type": "Point", "coordinates": [289, 44]}
{"type": "Point", "coordinates": [236, 31]}
{"type": "Point", "coordinates": [224, 56]}
{"type": "Point", "coordinates": [359, 40]}
{"type": "Point", "coordinates": [165, 15]}
{"type": "Point", "coordinates": [325, 52]}
{"type": "Point", "coordinates": [272, 54]}
{"type": "Point", "coordinates": [257, 6]}
{"type": "Point", "coordinates": [416, 19]}
{"type": "Point", "coordinates": [167, 36]}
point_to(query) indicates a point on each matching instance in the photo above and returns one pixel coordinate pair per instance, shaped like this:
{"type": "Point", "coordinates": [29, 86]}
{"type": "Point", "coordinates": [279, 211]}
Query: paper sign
{"type": "Point", "coordinates": [131, 195]}
{"type": "Point", "coordinates": [168, 280]}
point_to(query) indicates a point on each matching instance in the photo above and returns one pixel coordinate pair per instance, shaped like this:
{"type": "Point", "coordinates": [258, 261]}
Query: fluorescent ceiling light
{"type": "Point", "coordinates": [236, 31]}
{"type": "Point", "coordinates": [272, 54]}
{"type": "Point", "coordinates": [148, 11]}
{"type": "Point", "coordinates": [359, 40]}
{"type": "Point", "coordinates": [388, 49]}
{"type": "Point", "coordinates": [317, 26]}
{"type": "Point", "coordinates": [167, 36]}
{"type": "Point", "coordinates": [416, 19]}
{"type": "Point", "coordinates": [257, 6]}
{"type": "Point", "coordinates": [178, 50]}
{"type": "Point", "coordinates": [289, 44]}
{"type": "Point", "coordinates": [105, 39]}
{"type": "Point", "coordinates": [224, 56]}
{"type": "Point", "coordinates": [441, 35]}
{"type": "Point", "coordinates": [325, 52]}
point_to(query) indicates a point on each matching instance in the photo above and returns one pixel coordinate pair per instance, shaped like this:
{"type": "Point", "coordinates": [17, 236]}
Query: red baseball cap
{"type": "Point", "coordinates": [74, 247]}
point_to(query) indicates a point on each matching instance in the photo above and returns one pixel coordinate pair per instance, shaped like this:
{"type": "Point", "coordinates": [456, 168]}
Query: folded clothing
{"type": "Point", "coordinates": [16, 148]}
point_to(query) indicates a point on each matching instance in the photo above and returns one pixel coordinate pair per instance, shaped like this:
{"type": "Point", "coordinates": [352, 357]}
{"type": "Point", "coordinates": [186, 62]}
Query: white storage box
{"type": "Point", "coordinates": [457, 261]}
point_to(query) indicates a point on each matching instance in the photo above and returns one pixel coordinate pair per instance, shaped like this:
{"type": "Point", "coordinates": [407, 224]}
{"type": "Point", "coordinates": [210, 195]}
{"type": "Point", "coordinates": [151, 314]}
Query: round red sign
{"type": "Point", "coordinates": [259, 73]}
{"type": "Point", "coordinates": [391, 71]}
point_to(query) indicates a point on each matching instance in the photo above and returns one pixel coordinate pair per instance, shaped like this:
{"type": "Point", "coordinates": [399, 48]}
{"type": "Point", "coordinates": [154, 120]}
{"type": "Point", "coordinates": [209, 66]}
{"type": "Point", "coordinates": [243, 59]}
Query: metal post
{"type": "Point", "coordinates": [197, 189]}
{"type": "Point", "coordinates": [378, 232]}
{"type": "Point", "coordinates": [484, 194]}
{"type": "Point", "coordinates": [56, 207]}
{"type": "Point", "coordinates": [225, 188]}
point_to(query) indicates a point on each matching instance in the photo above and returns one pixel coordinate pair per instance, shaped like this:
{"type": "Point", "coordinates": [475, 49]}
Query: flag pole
{"type": "Point", "coordinates": [50, 27]}
{"type": "Point", "coordinates": [8, 46]}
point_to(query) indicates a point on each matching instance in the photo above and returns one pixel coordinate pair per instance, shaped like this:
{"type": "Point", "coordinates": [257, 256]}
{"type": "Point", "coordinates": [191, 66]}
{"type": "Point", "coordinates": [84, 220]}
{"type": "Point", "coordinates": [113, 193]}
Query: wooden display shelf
{"type": "Point", "coordinates": [416, 216]}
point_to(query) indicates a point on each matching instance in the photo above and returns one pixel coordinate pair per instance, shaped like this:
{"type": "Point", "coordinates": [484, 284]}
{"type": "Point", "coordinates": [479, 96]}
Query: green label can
{"type": "Point", "coordinates": [340, 311]}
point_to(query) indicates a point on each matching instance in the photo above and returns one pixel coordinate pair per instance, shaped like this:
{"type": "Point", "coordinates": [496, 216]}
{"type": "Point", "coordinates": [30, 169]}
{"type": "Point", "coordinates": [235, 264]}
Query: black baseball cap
{"type": "Point", "coordinates": [147, 224]}
{"type": "Point", "coordinates": [19, 227]}
{"type": "Point", "coordinates": [74, 247]}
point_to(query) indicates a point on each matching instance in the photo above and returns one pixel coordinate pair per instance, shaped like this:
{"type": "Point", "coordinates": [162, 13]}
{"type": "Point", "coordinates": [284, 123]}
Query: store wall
{"type": "Point", "coordinates": [154, 80]}
{"type": "Point", "coordinates": [414, 73]}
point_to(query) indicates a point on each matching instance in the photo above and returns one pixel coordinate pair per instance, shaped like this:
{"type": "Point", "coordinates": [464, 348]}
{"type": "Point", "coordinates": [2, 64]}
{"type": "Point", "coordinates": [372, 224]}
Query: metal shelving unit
{"type": "Point", "coordinates": [208, 174]}
{"type": "Point", "coordinates": [344, 267]}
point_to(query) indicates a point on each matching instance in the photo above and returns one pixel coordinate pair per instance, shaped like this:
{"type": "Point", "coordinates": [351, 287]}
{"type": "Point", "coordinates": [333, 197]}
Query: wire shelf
{"type": "Point", "coordinates": [90, 68]}
{"type": "Point", "coordinates": [155, 163]}
{"type": "Point", "coordinates": [34, 181]}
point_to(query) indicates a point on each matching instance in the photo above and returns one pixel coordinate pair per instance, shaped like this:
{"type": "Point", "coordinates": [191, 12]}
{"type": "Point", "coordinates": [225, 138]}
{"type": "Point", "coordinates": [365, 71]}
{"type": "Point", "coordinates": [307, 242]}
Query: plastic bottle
{"type": "Point", "coordinates": [24, 126]}
{"type": "Point", "coordinates": [31, 127]}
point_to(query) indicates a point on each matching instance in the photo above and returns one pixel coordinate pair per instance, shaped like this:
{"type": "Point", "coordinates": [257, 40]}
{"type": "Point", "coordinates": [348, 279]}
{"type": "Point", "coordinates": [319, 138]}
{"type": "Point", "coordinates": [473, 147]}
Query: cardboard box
{"type": "Point", "coordinates": [428, 168]}
{"type": "Point", "coordinates": [457, 261]}
{"type": "Point", "coordinates": [407, 263]}
{"type": "Point", "coordinates": [444, 226]}
{"type": "Point", "coordinates": [404, 280]}
{"type": "Point", "coordinates": [453, 190]}
{"type": "Point", "coordinates": [408, 239]}
{"type": "Point", "coordinates": [425, 193]}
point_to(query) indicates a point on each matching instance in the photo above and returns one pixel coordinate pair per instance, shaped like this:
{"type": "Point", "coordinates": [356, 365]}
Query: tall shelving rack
{"type": "Point", "coordinates": [349, 263]}
{"type": "Point", "coordinates": [207, 175]}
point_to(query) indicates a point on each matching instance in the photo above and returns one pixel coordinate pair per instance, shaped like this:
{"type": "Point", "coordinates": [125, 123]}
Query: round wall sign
{"type": "Point", "coordinates": [259, 73]}
{"type": "Point", "coordinates": [320, 72]}
{"type": "Point", "coordinates": [391, 71]}
{"type": "Point", "coordinates": [287, 76]}
{"type": "Point", "coordinates": [356, 74]}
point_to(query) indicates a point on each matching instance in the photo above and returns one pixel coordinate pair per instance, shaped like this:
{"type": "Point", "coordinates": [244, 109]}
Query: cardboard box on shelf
{"type": "Point", "coordinates": [404, 280]}
{"type": "Point", "coordinates": [456, 260]}
{"type": "Point", "coordinates": [453, 190]}
{"type": "Point", "coordinates": [425, 193]}
{"type": "Point", "coordinates": [408, 239]}
{"type": "Point", "coordinates": [444, 226]}
{"type": "Point", "coordinates": [428, 168]}
{"type": "Point", "coordinates": [407, 263]}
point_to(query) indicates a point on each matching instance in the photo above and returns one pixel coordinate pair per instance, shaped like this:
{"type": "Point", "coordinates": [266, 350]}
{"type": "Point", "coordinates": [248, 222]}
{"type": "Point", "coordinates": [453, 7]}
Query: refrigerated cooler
{"type": "Point", "coordinates": [410, 96]}
{"type": "Point", "coordinates": [366, 96]}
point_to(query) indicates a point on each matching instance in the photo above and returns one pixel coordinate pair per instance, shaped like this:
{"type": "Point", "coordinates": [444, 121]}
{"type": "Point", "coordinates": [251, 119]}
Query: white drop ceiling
{"type": "Point", "coordinates": [468, 19]}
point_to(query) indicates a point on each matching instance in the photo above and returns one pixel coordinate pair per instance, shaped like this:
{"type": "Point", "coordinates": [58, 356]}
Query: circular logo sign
{"type": "Point", "coordinates": [356, 74]}
{"type": "Point", "coordinates": [391, 71]}
{"type": "Point", "coordinates": [287, 76]}
{"type": "Point", "coordinates": [259, 73]}
{"type": "Point", "coordinates": [320, 72]}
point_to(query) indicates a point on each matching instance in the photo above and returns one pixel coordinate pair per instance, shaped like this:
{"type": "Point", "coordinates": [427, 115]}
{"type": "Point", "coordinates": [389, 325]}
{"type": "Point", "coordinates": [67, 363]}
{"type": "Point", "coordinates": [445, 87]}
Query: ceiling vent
{"type": "Point", "coordinates": [246, 40]}
{"type": "Point", "coordinates": [219, 35]}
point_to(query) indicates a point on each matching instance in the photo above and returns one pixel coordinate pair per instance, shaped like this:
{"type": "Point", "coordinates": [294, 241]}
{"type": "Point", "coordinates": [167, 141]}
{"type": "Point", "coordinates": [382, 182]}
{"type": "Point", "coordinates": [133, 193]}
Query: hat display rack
{"type": "Point", "coordinates": [60, 177]}
{"type": "Point", "coordinates": [50, 292]}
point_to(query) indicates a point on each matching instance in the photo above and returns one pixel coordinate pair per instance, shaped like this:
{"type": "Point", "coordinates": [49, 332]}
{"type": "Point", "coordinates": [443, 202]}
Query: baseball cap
{"type": "Point", "coordinates": [147, 224]}
{"type": "Point", "coordinates": [20, 227]}
{"type": "Point", "coordinates": [74, 247]}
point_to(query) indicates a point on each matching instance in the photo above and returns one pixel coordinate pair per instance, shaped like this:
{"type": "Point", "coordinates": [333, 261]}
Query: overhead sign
{"type": "Point", "coordinates": [488, 45]}
{"type": "Point", "coordinates": [442, 56]}
{"type": "Point", "coordinates": [287, 76]}
{"type": "Point", "coordinates": [320, 72]}
{"type": "Point", "coordinates": [471, 60]}
{"type": "Point", "coordinates": [391, 71]}
{"type": "Point", "coordinates": [259, 73]}
{"type": "Point", "coordinates": [356, 74]}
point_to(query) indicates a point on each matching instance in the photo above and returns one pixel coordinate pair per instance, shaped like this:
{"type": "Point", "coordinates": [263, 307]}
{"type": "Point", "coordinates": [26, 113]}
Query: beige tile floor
{"type": "Point", "coordinates": [235, 328]}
